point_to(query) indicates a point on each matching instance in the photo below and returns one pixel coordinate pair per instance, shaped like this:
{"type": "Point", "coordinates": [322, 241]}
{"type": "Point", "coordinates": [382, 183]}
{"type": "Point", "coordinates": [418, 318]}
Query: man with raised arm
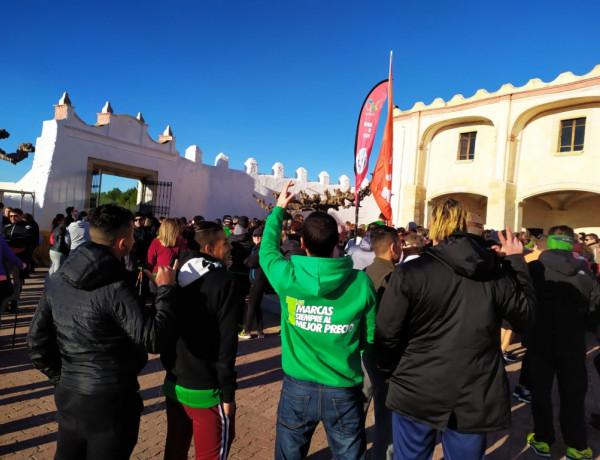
{"type": "Point", "coordinates": [438, 338]}
{"type": "Point", "coordinates": [91, 337]}
{"type": "Point", "coordinates": [327, 318]}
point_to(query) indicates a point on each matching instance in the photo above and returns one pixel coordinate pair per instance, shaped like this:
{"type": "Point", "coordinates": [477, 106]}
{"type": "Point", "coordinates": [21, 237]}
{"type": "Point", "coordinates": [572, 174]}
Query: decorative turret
{"type": "Point", "coordinates": [222, 161]}
{"type": "Point", "coordinates": [104, 116]}
{"type": "Point", "coordinates": [301, 174]}
{"type": "Point", "coordinates": [64, 107]}
{"type": "Point", "coordinates": [251, 167]}
{"type": "Point", "coordinates": [344, 181]}
{"type": "Point", "coordinates": [278, 170]}
{"type": "Point", "coordinates": [194, 154]}
{"type": "Point", "coordinates": [324, 178]}
{"type": "Point", "coordinates": [167, 136]}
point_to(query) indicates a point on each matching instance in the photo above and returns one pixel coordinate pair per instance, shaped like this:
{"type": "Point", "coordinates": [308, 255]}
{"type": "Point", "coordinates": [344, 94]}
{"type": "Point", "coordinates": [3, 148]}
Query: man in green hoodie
{"type": "Point", "coordinates": [327, 319]}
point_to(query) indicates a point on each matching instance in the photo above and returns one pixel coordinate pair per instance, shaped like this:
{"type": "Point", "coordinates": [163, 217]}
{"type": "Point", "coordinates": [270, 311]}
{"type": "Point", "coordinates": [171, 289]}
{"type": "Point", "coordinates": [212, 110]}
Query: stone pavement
{"type": "Point", "coordinates": [27, 414]}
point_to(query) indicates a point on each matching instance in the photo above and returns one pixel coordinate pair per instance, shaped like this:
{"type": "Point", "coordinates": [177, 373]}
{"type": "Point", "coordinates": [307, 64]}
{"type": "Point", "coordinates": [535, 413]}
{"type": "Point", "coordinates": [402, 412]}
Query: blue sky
{"type": "Point", "coordinates": [273, 80]}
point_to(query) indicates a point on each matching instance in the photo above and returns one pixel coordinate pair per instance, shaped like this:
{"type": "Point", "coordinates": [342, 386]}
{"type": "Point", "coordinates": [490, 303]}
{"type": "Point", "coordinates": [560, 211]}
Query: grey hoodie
{"type": "Point", "coordinates": [78, 232]}
{"type": "Point", "coordinates": [362, 254]}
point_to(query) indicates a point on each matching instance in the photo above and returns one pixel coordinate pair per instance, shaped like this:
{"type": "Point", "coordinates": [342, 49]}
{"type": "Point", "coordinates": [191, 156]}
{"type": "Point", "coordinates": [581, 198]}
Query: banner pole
{"type": "Point", "coordinates": [356, 205]}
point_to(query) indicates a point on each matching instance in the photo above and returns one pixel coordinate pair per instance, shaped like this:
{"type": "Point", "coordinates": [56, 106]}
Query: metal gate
{"type": "Point", "coordinates": [96, 188]}
{"type": "Point", "coordinates": [156, 197]}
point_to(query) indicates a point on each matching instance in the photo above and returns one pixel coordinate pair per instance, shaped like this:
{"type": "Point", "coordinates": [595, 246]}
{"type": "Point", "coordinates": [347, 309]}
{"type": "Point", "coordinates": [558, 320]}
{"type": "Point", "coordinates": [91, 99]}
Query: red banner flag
{"type": "Point", "coordinates": [365, 132]}
{"type": "Point", "coordinates": [381, 185]}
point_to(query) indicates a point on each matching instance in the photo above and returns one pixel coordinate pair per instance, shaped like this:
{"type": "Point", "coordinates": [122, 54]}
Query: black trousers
{"type": "Point", "coordinates": [525, 375]}
{"type": "Point", "coordinates": [257, 291]}
{"type": "Point", "coordinates": [571, 376]}
{"type": "Point", "coordinates": [96, 426]}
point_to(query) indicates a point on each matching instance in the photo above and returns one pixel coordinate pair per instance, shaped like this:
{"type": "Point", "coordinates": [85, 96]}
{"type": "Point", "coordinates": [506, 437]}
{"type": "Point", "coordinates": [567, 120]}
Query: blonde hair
{"type": "Point", "coordinates": [168, 232]}
{"type": "Point", "coordinates": [448, 216]}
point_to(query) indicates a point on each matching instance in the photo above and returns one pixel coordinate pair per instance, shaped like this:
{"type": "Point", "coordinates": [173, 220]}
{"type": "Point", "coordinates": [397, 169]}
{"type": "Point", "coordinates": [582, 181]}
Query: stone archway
{"type": "Point", "coordinates": [434, 130]}
{"type": "Point", "coordinates": [472, 201]}
{"type": "Point", "coordinates": [578, 209]}
{"type": "Point", "coordinates": [537, 112]}
{"type": "Point", "coordinates": [97, 166]}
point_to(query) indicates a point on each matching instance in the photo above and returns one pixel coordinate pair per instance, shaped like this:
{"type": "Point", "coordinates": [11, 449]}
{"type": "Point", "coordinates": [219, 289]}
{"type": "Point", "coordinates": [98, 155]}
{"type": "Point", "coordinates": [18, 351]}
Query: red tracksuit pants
{"type": "Point", "coordinates": [210, 428]}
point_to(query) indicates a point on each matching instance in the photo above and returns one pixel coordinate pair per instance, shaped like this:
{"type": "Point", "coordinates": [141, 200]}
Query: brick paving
{"type": "Point", "coordinates": [27, 414]}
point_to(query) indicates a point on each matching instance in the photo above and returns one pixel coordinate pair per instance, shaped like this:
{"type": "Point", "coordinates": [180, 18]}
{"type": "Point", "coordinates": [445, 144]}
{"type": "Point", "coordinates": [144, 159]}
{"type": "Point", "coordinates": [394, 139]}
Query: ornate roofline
{"type": "Point", "coordinates": [533, 85]}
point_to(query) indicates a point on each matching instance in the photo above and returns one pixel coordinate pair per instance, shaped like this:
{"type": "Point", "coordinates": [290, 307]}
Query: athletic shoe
{"type": "Point", "coordinates": [520, 394]}
{"type": "Point", "coordinates": [574, 454]}
{"type": "Point", "coordinates": [261, 335]}
{"type": "Point", "coordinates": [244, 335]}
{"type": "Point", "coordinates": [540, 448]}
{"type": "Point", "coordinates": [509, 357]}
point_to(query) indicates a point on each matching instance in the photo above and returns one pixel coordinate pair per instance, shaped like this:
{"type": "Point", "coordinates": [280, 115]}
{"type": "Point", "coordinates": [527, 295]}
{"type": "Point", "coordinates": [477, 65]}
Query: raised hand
{"type": "Point", "coordinates": [285, 197]}
{"type": "Point", "coordinates": [166, 275]}
{"type": "Point", "coordinates": [510, 245]}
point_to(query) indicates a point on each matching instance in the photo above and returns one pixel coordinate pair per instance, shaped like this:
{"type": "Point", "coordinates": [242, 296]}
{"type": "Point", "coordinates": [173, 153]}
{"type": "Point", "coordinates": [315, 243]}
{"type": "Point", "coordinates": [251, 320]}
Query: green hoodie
{"type": "Point", "coordinates": [327, 311]}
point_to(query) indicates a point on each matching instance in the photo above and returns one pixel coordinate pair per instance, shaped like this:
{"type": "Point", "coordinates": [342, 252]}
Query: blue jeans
{"type": "Point", "coordinates": [415, 441]}
{"type": "Point", "coordinates": [304, 404]}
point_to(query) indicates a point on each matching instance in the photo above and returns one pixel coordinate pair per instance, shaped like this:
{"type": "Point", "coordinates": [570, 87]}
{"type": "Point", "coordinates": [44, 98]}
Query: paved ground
{"type": "Point", "coordinates": [27, 414]}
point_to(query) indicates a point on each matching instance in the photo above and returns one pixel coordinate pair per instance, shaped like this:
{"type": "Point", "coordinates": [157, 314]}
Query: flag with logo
{"type": "Point", "coordinates": [381, 185]}
{"type": "Point", "coordinates": [365, 132]}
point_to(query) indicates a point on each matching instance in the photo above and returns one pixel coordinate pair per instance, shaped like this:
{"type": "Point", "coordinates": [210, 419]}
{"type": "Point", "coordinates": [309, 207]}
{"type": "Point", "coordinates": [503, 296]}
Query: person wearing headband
{"type": "Point", "coordinates": [566, 293]}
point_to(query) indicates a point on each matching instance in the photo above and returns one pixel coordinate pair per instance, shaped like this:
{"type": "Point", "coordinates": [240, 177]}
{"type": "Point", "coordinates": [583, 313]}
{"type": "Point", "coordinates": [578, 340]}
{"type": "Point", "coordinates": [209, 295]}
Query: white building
{"type": "Point", "coordinates": [527, 157]}
{"type": "Point", "coordinates": [71, 157]}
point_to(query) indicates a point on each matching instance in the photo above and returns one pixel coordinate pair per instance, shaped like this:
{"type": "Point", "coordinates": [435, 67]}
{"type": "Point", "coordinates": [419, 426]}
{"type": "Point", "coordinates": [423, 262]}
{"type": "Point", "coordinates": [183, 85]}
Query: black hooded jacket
{"type": "Point", "coordinates": [438, 334]}
{"type": "Point", "coordinates": [292, 247]}
{"type": "Point", "coordinates": [89, 333]}
{"type": "Point", "coordinates": [201, 354]}
{"type": "Point", "coordinates": [566, 293]}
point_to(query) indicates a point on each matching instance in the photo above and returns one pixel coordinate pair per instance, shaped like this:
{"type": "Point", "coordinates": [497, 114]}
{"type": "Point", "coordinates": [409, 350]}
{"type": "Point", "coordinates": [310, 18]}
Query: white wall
{"type": "Point", "coordinates": [59, 175]}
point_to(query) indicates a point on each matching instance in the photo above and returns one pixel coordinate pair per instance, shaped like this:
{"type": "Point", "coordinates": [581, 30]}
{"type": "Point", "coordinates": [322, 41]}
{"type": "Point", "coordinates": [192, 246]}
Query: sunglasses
{"type": "Point", "coordinates": [13, 215]}
{"type": "Point", "coordinates": [139, 220]}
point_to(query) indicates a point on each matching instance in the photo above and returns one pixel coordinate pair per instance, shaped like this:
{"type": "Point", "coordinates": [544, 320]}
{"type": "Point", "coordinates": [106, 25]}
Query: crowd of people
{"type": "Point", "coordinates": [416, 320]}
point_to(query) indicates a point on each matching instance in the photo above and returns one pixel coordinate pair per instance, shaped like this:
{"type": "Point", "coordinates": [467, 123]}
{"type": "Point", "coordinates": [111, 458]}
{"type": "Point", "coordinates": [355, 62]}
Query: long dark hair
{"type": "Point", "coordinates": [59, 220]}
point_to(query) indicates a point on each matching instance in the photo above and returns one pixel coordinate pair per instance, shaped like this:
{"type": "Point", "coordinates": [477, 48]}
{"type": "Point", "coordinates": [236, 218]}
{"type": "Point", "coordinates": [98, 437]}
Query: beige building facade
{"type": "Point", "coordinates": [526, 157]}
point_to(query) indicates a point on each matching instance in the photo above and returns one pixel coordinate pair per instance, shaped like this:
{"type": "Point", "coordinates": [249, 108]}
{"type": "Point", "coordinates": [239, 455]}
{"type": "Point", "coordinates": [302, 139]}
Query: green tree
{"type": "Point", "coordinates": [127, 199]}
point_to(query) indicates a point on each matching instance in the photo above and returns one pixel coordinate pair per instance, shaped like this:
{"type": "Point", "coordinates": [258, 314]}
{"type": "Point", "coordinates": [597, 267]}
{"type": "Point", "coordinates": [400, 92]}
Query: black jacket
{"type": "Point", "coordinates": [566, 293]}
{"type": "Point", "coordinates": [241, 246]}
{"type": "Point", "coordinates": [252, 262]}
{"type": "Point", "coordinates": [22, 236]}
{"type": "Point", "coordinates": [438, 334]}
{"type": "Point", "coordinates": [89, 332]}
{"type": "Point", "coordinates": [292, 247]}
{"type": "Point", "coordinates": [201, 353]}
{"type": "Point", "coordinates": [60, 242]}
{"type": "Point", "coordinates": [139, 252]}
